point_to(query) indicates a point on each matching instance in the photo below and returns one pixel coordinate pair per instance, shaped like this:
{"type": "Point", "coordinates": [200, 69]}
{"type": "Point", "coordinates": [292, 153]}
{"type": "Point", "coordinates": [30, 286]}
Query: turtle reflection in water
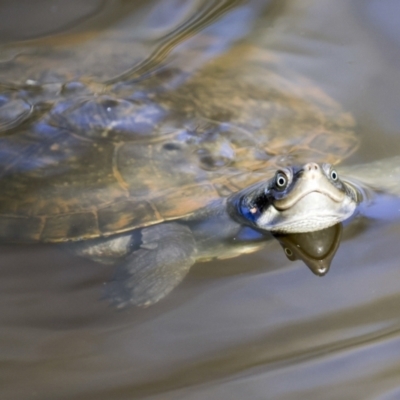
{"type": "Point", "coordinates": [153, 177]}
{"type": "Point", "coordinates": [316, 249]}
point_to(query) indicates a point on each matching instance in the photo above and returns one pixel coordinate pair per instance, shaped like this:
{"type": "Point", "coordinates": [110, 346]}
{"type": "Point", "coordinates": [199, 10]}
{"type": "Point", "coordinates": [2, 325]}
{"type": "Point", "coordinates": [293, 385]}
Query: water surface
{"type": "Point", "coordinates": [257, 326]}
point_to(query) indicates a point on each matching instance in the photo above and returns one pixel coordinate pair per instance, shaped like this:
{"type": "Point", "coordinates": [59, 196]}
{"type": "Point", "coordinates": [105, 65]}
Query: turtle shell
{"type": "Point", "coordinates": [80, 159]}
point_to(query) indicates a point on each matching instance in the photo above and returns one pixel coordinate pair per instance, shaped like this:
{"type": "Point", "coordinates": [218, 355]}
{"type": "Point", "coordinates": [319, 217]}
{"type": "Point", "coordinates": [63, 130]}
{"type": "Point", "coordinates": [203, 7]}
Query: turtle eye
{"type": "Point", "coordinates": [281, 180]}
{"type": "Point", "coordinates": [334, 175]}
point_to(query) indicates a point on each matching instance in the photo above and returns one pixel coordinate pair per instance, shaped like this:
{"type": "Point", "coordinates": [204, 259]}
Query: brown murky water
{"type": "Point", "coordinates": [253, 327]}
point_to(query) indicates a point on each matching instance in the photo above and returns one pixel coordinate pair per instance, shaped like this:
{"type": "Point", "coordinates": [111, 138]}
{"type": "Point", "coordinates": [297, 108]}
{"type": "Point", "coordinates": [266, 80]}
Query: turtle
{"type": "Point", "coordinates": [155, 174]}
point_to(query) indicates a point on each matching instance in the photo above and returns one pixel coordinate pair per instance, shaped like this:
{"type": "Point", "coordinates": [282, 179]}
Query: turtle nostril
{"type": "Point", "coordinates": [311, 166]}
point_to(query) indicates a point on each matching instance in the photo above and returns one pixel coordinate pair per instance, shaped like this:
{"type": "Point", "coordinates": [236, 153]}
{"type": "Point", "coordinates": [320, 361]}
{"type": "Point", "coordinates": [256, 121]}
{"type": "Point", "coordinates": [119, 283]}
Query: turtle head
{"type": "Point", "coordinates": [295, 200]}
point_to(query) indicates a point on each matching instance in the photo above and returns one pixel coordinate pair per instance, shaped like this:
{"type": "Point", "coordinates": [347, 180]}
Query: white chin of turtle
{"type": "Point", "coordinates": [313, 212]}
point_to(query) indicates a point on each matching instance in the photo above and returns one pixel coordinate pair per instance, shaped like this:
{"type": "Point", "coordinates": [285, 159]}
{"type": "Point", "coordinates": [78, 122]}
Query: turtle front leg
{"type": "Point", "coordinates": [148, 274]}
{"type": "Point", "coordinates": [106, 250]}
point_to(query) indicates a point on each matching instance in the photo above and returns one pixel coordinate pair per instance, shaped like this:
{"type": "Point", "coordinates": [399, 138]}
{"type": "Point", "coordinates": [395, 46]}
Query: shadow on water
{"type": "Point", "coordinates": [255, 326]}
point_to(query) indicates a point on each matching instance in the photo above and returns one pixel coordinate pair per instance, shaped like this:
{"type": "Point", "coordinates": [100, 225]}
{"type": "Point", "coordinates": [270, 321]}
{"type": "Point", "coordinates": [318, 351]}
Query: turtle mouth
{"type": "Point", "coordinates": [291, 200]}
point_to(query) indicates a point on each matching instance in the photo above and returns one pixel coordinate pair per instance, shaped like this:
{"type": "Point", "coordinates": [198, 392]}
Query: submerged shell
{"type": "Point", "coordinates": [89, 160]}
